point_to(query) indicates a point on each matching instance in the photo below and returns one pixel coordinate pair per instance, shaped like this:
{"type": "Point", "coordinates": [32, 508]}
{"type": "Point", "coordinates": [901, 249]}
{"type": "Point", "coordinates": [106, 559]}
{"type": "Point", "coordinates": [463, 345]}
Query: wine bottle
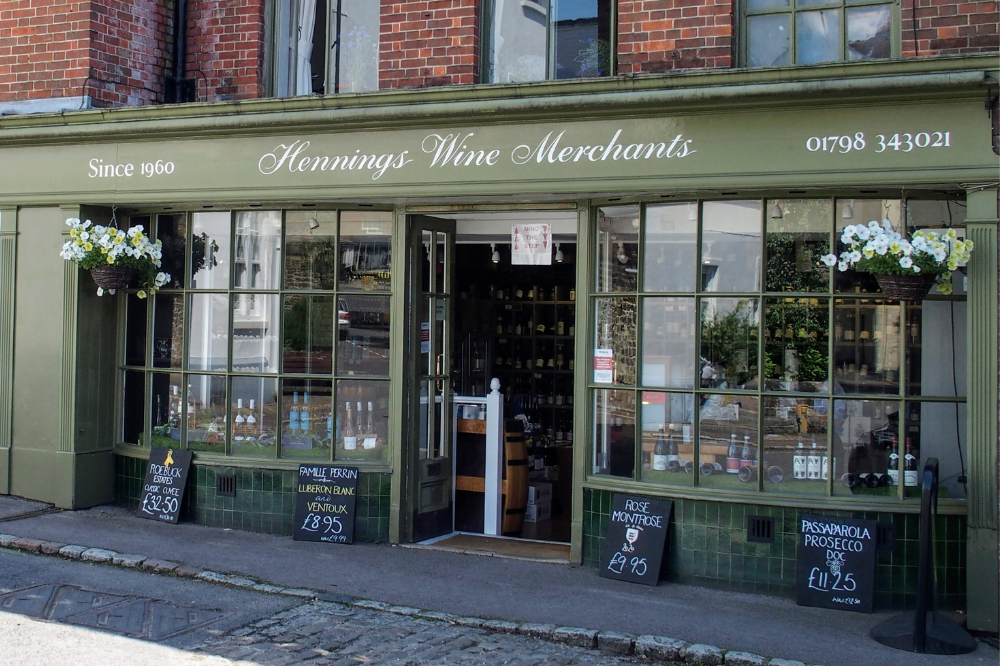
{"type": "Point", "coordinates": [370, 438]}
{"type": "Point", "coordinates": [909, 465]}
{"type": "Point", "coordinates": [893, 468]}
{"type": "Point", "coordinates": [732, 456]}
{"type": "Point", "coordinates": [251, 424]}
{"type": "Point", "coordinates": [239, 422]}
{"type": "Point", "coordinates": [673, 455]}
{"type": "Point", "coordinates": [350, 434]}
{"type": "Point", "coordinates": [304, 412]}
{"type": "Point", "coordinates": [745, 459]}
{"type": "Point", "coordinates": [359, 425]}
{"type": "Point", "coordinates": [293, 413]}
{"type": "Point", "coordinates": [660, 453]}
{"type": "Point", "coordinates": [799, 464]}
{"type": "Point", "coordinates": [813, 463]}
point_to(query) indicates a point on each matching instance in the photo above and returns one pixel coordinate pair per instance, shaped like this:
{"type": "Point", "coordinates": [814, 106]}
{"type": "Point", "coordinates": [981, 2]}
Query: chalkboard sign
{"type": "Point", "coordinates": [634, 541]}
{"type": "Point", "coordinates": [163, 487]}
{"type": "Point", "coordinates": [836, 565]}
{"type": "Point", "coordinates": [325, 502]}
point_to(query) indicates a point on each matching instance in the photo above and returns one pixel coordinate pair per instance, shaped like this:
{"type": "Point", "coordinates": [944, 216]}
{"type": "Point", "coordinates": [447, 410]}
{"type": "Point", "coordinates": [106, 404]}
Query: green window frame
{"type": "Point", "coordinates": [670, 368]}
{"type": "Point", "coordinates": [854, 29]}
{"type": "Point", "coordinates": [328, 331]}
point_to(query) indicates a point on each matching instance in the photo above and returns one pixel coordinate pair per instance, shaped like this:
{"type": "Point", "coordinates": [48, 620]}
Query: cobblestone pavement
{"type": "Point", "coordinates": [324, 633]}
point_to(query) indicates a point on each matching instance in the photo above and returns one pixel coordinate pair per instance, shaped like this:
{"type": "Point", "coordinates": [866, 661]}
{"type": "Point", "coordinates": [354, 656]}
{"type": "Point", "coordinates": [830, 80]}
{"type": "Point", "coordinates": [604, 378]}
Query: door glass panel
{"type": "Point", "coordinates": [427, 272]}
{"type": "Point", "coordinates": [817, 36]}
{"type": "Point", "coordinates": [210, 250]}
{"type": "Point", "coordinates": [441, 267]}
{"type": "Point", "coordinates": [424, 392]}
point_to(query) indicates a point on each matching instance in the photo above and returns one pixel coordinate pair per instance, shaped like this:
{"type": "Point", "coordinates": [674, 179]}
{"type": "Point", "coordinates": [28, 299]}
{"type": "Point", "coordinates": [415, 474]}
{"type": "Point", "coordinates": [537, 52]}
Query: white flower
{"type": "Point", "coordinates": [868, 253]}
{"type": "Point", "coordinates": [863, 233]}
{"type": "Point", "coordinates": [886, 224]}
{"type": "Point", "coordinates": [829, 259]}
{"type": "Point", "coordinates": [875, 227]}
{"type": "Point", "coordinates": [905, 262]}
{"type": "Point", "coordinates": [72, 221]}
{"type": "Point", "coordinates": [843, 266]}
{"type": "Point", "coordinates": [100, 291]}
{"type": "Point", "coordinates": [916, 269]}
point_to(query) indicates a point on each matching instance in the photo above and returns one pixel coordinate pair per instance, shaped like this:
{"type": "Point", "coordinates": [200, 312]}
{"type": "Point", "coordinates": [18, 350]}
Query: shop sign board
{"type": "Point", "coordinates": [163, 487]}
{"type": "Point", "coordinates": [604, 366]}
{"type": "Point", "coordinates": [635, 538]}
{"type": "Point", "coordinates": [325, 502]}
{"type": "Point", "coordinates": [836, 563]}
{"type": "Point", "coordinates": [531, 245]}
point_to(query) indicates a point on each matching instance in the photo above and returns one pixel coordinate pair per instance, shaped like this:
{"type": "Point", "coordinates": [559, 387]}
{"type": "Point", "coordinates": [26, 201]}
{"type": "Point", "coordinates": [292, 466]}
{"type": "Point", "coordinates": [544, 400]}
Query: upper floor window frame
{"type": "Point", "coordinates": [489, 37]}
{"type": "Point", "coordinates": [751, 10]}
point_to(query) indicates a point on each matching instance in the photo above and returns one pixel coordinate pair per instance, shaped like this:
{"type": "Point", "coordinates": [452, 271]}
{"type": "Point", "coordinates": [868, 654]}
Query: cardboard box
{"type": "Point", "coordinates": [538, 512]}
{"type": "Point", "coordinates": [539, 492]}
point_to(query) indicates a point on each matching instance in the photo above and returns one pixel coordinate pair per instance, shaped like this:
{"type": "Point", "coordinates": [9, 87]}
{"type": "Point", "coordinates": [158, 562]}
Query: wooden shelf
{"type": "Point", "coordinates": [471, 426]}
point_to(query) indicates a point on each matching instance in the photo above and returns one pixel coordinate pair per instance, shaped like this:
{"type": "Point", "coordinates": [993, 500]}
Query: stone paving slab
{"type": "Point", "coordinates": [12, 507]}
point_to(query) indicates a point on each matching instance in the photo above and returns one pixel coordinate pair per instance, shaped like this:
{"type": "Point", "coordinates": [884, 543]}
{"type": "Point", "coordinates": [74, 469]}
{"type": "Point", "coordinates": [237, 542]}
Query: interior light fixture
{"type": "Point", "coordinates": [692, 212]}
{"type": "Point", "coordinates": [776, 212]}
{"type": "Point", "coordinates": [848, 211]}
{"type": "Point", "coordinates": [622, 257]}
{"type": "Point", "coordinates": [559, 254]}
{"type": "Point", "coordinates": [313, 223]}
{"type": "Point", "coordinates": [496, 255]}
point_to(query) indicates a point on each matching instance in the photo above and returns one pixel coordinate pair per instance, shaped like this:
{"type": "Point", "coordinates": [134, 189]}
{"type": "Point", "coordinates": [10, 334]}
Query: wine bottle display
{"type": "Point", "coordinates": [799, 463]}
{"type": "Point", "coordinates": [660, 453]}
{"type": "Point", "coordinates": [732, 456]}
{"type": "Point", "coordinates": [350, 434]}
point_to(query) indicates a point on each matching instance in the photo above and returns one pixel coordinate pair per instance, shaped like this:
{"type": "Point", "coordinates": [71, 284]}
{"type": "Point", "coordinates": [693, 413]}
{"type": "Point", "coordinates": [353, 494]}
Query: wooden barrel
{"type": "Point", "coordinates": [515, 472]}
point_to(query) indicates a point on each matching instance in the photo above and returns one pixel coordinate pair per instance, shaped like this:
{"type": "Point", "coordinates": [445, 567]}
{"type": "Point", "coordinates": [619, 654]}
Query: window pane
{"type": "Point", "coordinates": [310, 250]}
{"type": "Point", "coordinates": [519, 41]}
{"type": "Point", "coordinates": [365, 251]}
{"type": "Point", "coordinates": [769, 41]}
{"type": "Point", "coordinates": [582, 40]}
{"type": "Point", "coordinates": [210, 250]}
{"type": "Point", "coordinates": [796, 346]}
{"type": "Point", "coordinates": [869, 32]}
{"type": "Point", "coordinates": [617, 248]}
{"type": "Point", "coordinates": [667, 438]}
{"type": "Point", "coordinates": [363, 330]}
{"type": "Point", "coordinates": [208, 332]}
{"type": "Point", "coordinates": [935, 338]}
{"type": "Point", "coordinates": [254, 407]}
{"type": "Point", "coordinates": [308, 335]}
{"type": "Point", "coordinates": [165, 409]}
{"type": "Point", "coordinates": [729, 342]}
{"type": "Point", "coordinates": [615, 319]}
{"type": "Point", "coordinates": [359, 29]}
{"type": "Point", "coordinates": [306, 419]}
{"type": "Point", "coordinates": [727, 426]}
{"type": "Point", "coordinates": [614, 433]}
{"type": "Point", "coordinates": [817, 37]}
{"type": "Point", "coordinates": [255, 332]}
{"type": "Point", "coordinates": [206, 413]}
{"type": "Point", "coordinates": [171, 230]}
{"type": "Point", "coordinates": [730, 246]}
{"type": "Point", "coordinates": [258, 250]}
{"type": "Point", "coordinates": [939, 215]}
{"type": "Point", "coordinates": [862, 211]}
{"type": "Point", "coordinates": [362, 424]}
{"type": "Point", "coordinates": [795, 459]}
{"type": "Point", "coordinates": [668, 342]}
{"type": "Point", "coordinates": [864, 434]}
{"type": "Point", "coordinates": [866, 341]}
{"type": "Point", "coordinates": [670, 257]}
{"type": "Point", "coordinates": [795, 242]}
{"type": "Point", "coordinates": [133, 417]}
{"type": "Point", "coordinates": [936, 430]}
{"type": "Point", "coordinates": [168, 330]}
{"type": "Point", "coordinates": [756, 5]}
{"type": "Point", "coordinates": [135, 330]}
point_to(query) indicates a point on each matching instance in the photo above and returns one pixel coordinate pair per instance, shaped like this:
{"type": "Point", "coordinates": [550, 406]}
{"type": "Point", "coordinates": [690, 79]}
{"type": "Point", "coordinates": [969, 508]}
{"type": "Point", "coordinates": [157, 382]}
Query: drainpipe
{"type": "Point", "coordinates": [180, 43]}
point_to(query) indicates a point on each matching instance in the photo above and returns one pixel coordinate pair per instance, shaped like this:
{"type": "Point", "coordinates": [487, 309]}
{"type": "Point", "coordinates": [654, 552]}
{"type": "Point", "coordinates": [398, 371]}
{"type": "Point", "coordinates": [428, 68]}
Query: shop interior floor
{"type": "Point", "coordinates": [505, 546]}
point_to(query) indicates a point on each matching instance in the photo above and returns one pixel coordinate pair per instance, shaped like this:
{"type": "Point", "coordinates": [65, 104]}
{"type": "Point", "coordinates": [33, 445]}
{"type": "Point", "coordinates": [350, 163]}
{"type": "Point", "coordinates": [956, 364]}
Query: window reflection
{"type": "Point", "coordinates": [727, 441]}
{"type": "Point", "coordinates": [311, 250]}
{"type": "Point", "coordinates": [668, 341]}
{"type": "Point", "coordinates": [796, 344]}
{"type": "Point", "coordinates": [866, 344]}
{"type": "Point", "coordinates": [614, 433]}
{"type": "Point", "coordinates": [308, 334]}
{"type": "Point", "coordinates": [365, 251]}
{"type": "Point", "coordinates": [171, 230]}
{"type": "Point", "coordinates": [363, 331]}
{"type": "Point", "coordinates": [798, 234]}
{"type": "Point", "coordinates": [667, 437]}
{"type": "Point", "coordinates": [255, 332]}
{"type": "Point", "coordinates": [210, 236]}
{"type": "Point", "coordinates": [618, 248]}
{"type": "Point", "coordinates": [795, 441]}
{"type": "Point", "coordinates": [615, 321]}
{"type": "Point", "coordinates": [307, 420]}
{"type": "Point", "coordinates": [936, 430]}
{"type": "Point", "coordinates": [166, 409]}
{"type": "Point", "coordinates": [206, 413]}
{"type": "Point", "coordinates": [363, 420]}
{"type": "Point", "coordinates": [258, 250]}
{"type": "Point", "coordinates": [869, 32]}
{"type": "Point", "coordinates": [670, 247]}
{"type": "Point", "coordinates": [168, 330]}
{"type": "Point", "coordinates": [729, 338]}
{"type": "Point", "coordinates": [730, 246]}
{"type": "Point", "coordinates": [865, 435]}
{"type": "Point", "coordinates": [253, 405]}
{"type": "Point", "coordinates": [208, 332]}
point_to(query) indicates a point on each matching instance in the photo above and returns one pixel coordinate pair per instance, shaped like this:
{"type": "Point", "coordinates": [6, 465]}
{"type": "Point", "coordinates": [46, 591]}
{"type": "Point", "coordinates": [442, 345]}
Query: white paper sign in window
{"type": "Point", "coordinates": [531, 245]}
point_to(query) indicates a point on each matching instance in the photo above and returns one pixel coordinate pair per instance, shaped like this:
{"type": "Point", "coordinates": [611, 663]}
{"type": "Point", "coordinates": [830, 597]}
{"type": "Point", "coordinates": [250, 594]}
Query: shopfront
{"type": "Point", "coordinates": [343, 277]}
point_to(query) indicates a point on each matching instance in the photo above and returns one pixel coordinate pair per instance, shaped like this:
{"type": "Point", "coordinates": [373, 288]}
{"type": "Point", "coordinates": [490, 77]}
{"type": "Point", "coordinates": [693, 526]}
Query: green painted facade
{"type": "Point", "coordinates": [752, 134]}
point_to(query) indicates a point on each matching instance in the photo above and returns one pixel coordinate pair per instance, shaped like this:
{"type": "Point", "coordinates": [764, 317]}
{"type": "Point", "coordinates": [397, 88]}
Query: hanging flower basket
{"type": "Point", "coordinates": [114, 257]}
{"type": "Point", "coordinates": [911, 288]}
{"type": "Point", "coordinates": [112, 277]}
{"type": "Point", "coordinates": [905, 268]}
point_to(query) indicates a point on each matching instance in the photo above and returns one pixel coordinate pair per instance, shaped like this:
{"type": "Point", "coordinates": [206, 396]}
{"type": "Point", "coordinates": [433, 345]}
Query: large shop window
{"type": "Point", "coordinates": [272, 340]}
{"type": "Point", "coordinates": [727, 357]}
{"type": "Point", "coordinates": [535, 40]}
{"type": "Point", "coordinates": [779, 33]}
{"type": "Point", "coordinates": [325, 47]}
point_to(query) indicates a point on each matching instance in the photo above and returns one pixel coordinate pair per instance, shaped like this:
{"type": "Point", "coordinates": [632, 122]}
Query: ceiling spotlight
{"type": "Point", "coordinates": [848, 211]}
{"type": "Point", "coordinates": [776, 212]}
{"type": "Point", "coordinates": [692, 212]}
{"type": "Point", "coordinates": [496, 255]}
{"type": "Point", "coordinates": [559, 254]}
{"type": "Point", "coordinates": [622, 257]}
{"type": "Point", "coordinates": [313, 223]}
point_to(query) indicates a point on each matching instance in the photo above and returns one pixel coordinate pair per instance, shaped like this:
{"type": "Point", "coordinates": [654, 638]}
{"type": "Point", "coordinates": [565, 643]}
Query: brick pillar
{"type": "Point", "coordinates": [940, 27]}
{"type": "Point", "coordinates": [225, 49]}
{"type": "Point", "coordinates": [426, 44]}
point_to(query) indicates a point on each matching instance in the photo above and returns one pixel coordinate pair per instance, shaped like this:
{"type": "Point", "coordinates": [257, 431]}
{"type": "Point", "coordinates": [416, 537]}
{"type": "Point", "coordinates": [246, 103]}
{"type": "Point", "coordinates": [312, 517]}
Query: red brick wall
{"type": "Point", "coordinates": [663, 35]}
{"type": "Point", "coordinates": [116, 51]}
{"type": "Point", "coordinates": [428, 43]}
{"type": "Point", "coordinates": [225, 49]}
{"type": "Point", "coordinates": [948, 26]}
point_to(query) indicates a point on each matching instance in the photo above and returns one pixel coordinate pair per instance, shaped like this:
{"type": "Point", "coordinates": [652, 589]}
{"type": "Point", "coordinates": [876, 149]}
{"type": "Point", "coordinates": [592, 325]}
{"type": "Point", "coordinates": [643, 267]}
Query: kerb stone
{"type": "Point", "coordinates": [502, 626]}
{"type": "Point", "coordinates": [128, 560]}
{"type": "Point", "coordinates": [51, 547]}
{"type": "Point", "coordinates": [699, 653]}
{"type": "Point", "coordinates": [585, 638]}
{"type": "Point", "coordinates": [28, 545]}
{"type": "Point", "coordinates": [615, 642]}
{"type": "Point", "coordinates": [535, 630]}
{"type": "Point", "coordinates": [6, 540]}
{"type": "Point", "coordinates": [72, 551]}
{"type": "Point", "coordinates": [734, 658]}
{"type": "Point", "coordinates": [160, 566]}
{"type": "Point", "coordinates": [659, 648]}
{"type": "Point", "coordinates": [785, 662]}
{"type": "Point", "coordinates": [97, 555]}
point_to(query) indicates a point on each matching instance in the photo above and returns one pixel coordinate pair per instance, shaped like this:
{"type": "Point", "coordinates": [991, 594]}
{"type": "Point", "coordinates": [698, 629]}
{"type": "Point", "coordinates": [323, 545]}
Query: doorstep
{"type": "Point", "coordinates": [552, 552]}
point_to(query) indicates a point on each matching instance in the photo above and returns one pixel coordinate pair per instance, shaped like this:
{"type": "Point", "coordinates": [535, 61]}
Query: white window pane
{"type": "Point", "coordinates": [359, 30]}
{"type": "Point", "coordinates": [868, 33]}
{"type": "Point", "coordinates": [258, 250]}
{"type": "Point", "coordinates": [519, 41]}
{"type": "Point", "coordinates": [210, 250]}
{"type": "Point", "coordinates": [769, 42]}
{"type": "Point", "coordinates": [817, 37]}
{"type": "Point", "coordinates": [730, 246]}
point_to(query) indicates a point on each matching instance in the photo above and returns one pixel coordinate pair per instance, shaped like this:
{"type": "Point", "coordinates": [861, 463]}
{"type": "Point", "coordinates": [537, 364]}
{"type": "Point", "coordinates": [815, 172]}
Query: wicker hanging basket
{"type": "Point", "coordinates": [911, 288]}
{"type": "Point", "coordinates": [112, 277]}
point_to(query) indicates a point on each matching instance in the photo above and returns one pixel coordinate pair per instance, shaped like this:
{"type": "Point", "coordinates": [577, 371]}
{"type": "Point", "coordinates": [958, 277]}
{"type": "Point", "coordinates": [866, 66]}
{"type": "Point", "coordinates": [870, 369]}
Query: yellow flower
{"type": "Point", "coordinates": [88, 246]}
{"type": "Point", "coordinates": [74, 233]}
{"type": "Point", "coordinates": [111, 260]}
{"type": "Point", "coordinates": [104, 250]}
{"type": "Point", "coordinates": [78, 242]}
{"type": "Point", "coordinates": [141, 294]}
